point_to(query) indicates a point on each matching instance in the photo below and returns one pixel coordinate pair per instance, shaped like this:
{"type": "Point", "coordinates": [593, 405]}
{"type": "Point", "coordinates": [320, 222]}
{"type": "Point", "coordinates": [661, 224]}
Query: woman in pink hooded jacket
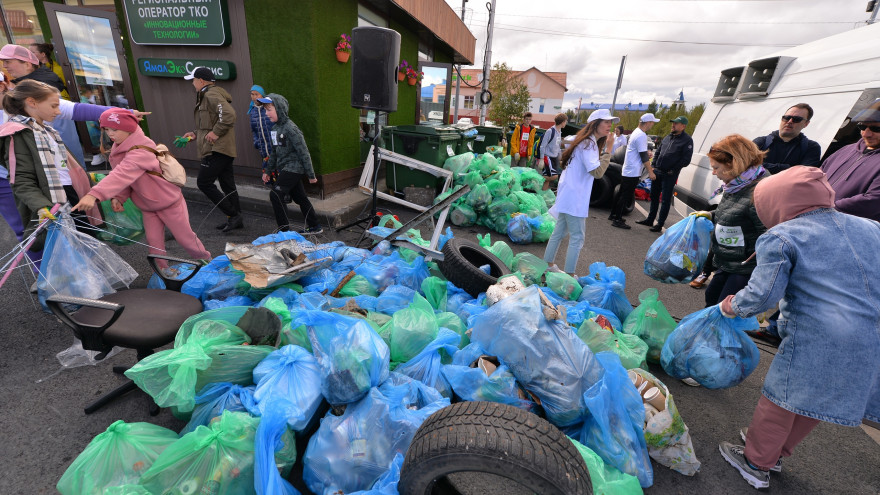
{"type": "Point", "coordinates": [136, 173]}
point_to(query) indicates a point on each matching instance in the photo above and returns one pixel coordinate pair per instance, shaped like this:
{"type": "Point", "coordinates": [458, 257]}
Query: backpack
{"type": "Point", "coordinates": [172, 170]}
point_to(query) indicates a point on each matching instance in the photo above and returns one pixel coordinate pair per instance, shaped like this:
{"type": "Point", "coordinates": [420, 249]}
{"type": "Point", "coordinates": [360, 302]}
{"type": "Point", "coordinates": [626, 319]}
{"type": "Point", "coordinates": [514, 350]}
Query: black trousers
{"type": "Point", "coordinates": [219, 166]}
{"type": "Point", "coordinates": [289, 187]}
{"type": "Point", "coordinates": [664, 184]}
{"type": "Point", "coordinates": [624, 195]}
{"type": "Point", "coordinates": [724, 284]}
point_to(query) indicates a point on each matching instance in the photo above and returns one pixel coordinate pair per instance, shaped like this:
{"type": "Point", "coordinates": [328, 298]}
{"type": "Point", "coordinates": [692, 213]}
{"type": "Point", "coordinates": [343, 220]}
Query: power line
{"type": "Point", "coordinates": [557, 18]}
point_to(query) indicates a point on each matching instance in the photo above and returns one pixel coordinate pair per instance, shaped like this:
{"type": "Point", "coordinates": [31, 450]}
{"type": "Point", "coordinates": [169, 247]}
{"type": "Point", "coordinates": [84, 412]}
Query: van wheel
{"type": "Point", "coordinates": [603, 190]}
{"type": "Point", "coordinates": [461, 264]}
{"type": "Point", "coordinates": [471, 439]}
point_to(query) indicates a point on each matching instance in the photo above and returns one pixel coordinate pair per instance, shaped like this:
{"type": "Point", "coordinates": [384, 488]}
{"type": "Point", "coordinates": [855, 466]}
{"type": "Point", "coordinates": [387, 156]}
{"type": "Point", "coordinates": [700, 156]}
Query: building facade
{"type": "Point", "coordinates": [134, 53]}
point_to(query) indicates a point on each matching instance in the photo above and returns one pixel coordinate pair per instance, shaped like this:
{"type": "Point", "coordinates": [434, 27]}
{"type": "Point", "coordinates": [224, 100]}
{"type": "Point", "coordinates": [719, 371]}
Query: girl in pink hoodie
{"type": "Point", "coordinates": [136, 173]}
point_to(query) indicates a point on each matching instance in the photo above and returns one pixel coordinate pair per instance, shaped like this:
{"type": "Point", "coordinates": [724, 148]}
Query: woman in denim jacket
{"type": "Point", "coordinates": [822, 264]}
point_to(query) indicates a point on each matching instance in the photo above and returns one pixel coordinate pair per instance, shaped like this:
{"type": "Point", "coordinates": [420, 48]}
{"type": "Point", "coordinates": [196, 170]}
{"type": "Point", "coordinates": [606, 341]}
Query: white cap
{"type": "Point", "coordinates": [648, 117]}
{"type": "Point", "coordinates": [602, 114]}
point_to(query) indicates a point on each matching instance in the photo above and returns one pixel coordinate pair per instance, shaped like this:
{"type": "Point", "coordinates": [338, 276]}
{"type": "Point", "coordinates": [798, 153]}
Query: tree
{"type": "Point", "coordinates": [510, 96]}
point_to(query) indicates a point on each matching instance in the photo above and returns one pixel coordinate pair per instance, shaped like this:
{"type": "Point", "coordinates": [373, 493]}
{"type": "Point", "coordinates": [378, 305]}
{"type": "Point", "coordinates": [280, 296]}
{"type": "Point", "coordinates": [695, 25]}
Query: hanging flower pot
{"type": "Point", "coordinates": [411, 81]}
{"type": "Point", "coordinates": [343, 48]}
{"type": "Point", "coordinates": [342, 56]}
{"type": "Point", "coordinates": [401, 76]}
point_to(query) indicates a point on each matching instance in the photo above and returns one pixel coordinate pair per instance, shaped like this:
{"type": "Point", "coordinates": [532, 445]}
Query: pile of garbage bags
{"type": "Point", "coordinates": [508, 200]}
{"type": "Point", "coordinates": [356, 374]}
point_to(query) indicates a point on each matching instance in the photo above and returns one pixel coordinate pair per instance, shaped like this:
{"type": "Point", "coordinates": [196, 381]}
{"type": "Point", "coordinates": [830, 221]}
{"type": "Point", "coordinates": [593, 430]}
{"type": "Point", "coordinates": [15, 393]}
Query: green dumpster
{"type": "Point", "coordinates": [432, 145]}
{"type": "Point", "coordinates": [467, 142]}
{"type": "Point", "coordinates": [487, 136]}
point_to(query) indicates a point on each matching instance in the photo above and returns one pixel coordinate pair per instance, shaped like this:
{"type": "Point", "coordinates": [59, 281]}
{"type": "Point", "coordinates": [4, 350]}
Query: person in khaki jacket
{"type": "Point", "coordinates": [215, 138]}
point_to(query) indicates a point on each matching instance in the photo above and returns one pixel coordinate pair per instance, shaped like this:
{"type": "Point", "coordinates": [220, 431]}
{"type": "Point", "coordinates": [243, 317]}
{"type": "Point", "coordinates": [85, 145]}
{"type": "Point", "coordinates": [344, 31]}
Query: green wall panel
{"type": "Point", "coordinates": [406, 95]}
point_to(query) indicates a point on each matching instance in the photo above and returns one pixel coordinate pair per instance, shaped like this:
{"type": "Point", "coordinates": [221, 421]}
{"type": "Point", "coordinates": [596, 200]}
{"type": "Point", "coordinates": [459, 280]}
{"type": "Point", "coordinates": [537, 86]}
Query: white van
{"type": "Point", "coordinates": [838, 76]}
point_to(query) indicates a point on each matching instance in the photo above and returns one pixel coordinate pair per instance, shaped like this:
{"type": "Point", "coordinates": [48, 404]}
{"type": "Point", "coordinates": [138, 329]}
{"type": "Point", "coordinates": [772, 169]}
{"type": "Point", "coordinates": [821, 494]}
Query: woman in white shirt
{"type": "Point", "coordinates": [580, 165]}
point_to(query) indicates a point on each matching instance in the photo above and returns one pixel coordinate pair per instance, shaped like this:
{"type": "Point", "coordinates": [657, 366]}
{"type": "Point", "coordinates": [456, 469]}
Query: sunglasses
{"type": "Point", "coordinates": [793, 118]}
{"type": "Point", "coordinates": [862, 127]}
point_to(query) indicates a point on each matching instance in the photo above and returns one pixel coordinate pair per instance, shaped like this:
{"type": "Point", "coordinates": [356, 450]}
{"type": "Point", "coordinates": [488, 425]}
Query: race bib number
{"type": "Point", "coordinates": [729, 236]}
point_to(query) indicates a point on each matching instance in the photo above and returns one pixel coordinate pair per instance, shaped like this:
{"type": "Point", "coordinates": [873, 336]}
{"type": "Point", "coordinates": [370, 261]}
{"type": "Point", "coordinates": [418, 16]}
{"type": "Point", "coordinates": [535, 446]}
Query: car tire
{"type": "Point", "coordinates": [461, 264]}
{"type": "Point", "coordinates": [602, 193]}
{"type": "Point", "coordinates": [493, 438]}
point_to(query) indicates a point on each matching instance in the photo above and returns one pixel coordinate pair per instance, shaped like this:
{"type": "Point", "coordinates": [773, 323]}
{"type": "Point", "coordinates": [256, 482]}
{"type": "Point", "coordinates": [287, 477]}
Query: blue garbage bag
{"type": "Point", "coordinates": [519, 230]}
{"type": "Point", "coordinates": [351, 355]}
{"type": "Point", "coordinates": [613, 427]}
{"type": "Point", "coordinates": [216, 280]}
{"type": "Point", "coordinates": [425, 366]}
{"type": "Point", "coordinates": [711, 349]}
{"type": "Point", "coordinates": [230, 301]}
{"type": "Point", "coordinates": [472, 384]}
{"type": "Point", "coordinates": [181, 270]}
{"type": "Point", "coordinates": [387, 483]}
{"type": "Point", "coordinates": [545, 356]}
{"type": "Point", "coordinates": [412, 274]}
{"type": "Point", "coordinates": [394, 298]}
{"type": "Point", "coordinates": [445, 237]}
{"type": "Point", "coordinates": [579, 312]}
{"type": "Point", "coordinates": [604, 288]}
{"type": "Point", "coordinates": [215, 398]}
{"type": "Point", "coordinates": [293, 374]}
{"type": "Point", "coordinates": [270, 438]}
{"type": "Point", "coordinates": [350, 452]}
{"type": "Point", "coordinates": [678, 255]}
{"type": "Point", "coordinates": [455, 297]}
{"type": "Point", "coordinates": [471, 308]}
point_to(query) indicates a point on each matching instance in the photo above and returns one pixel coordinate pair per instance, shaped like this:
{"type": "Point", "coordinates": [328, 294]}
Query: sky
{"type": "Point", "coordinates": [671, 45]}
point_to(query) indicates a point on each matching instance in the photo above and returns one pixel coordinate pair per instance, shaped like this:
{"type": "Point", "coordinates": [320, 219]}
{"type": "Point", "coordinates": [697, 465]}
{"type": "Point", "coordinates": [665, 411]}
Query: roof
{"type": "Point", "coordinates": [559, 78]}
{"type": "Point", "coordinates": [633, 107]}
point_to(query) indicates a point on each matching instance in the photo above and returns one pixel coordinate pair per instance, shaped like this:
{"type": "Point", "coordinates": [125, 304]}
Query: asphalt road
{"type": "Point", "coordinates": [44, 427]}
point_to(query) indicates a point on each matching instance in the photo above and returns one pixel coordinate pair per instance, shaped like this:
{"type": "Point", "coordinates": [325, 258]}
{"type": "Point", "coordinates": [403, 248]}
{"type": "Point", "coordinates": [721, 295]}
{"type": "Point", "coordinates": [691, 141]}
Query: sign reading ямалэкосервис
{"type": "Point", "coordinates": [178, 67]}
{"type": "Point", "coordinates": [178, 22]}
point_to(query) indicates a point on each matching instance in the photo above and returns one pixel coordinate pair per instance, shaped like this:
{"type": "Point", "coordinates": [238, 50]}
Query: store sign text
{"type": "Point", "coordinates": [178, 22]}
{"type": "Point", "coordinates": [176, 67]}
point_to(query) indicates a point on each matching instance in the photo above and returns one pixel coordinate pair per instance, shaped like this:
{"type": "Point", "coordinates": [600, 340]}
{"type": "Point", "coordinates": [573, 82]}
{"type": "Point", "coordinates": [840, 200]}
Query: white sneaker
{"type": "Point", "coordinates": [98, 159]}
{"type": "Point", "coordinates": [555, 269]}
{"type": "Point", "coordinates": [690, 382]}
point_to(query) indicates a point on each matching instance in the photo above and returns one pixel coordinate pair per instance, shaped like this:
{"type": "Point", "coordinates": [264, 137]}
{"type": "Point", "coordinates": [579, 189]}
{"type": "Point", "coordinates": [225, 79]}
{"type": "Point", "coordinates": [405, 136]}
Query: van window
{"type": "Point", "coordinates": [848, 133]}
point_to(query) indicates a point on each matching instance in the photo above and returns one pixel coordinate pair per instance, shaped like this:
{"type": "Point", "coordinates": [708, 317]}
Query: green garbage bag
{"type": "Point", "coordinates": [506, 161]}
{"type": "Point", "coordinates": [121, 228]}
{"type": "Point", "coordinates": [548, 196]}
{"type": "Point", "coordinates": [502, 208]}
{"type": "Point", "coordinates": [295, 336]}
{"type": "Point", "coordinates": [454, 323]}
{"type": "Point", "coordinates": [118, 456]}
{"type": "Point", "coordinates": [459, 163]}
{"type": "Point", "coordinates": [564, 285]}
{"type": "Point", "coordinates": [530, 266]}
{"type": "Point", "coordinates": [434, 289]}
{"type": "Point", "coordinates": [542, 227]}
{"type": "Point", "coordinates": [358, 286]}
{"type": "Point", "coordinates": [529, 203]}
{"type": "Point", "coordinates": [479, 198]}
{"type": "Point", "coordinates": [497, 188]}
{"type": "Point", "coordinates": [629, 348]}
{"type": "Point", "coordinates": [484, 240]}
{"type": "Point", "coordinates": [277, 306]}
{"type": "Point", "coordinates": [607, 480]}
{"type": "Point", "coordinates": [410, 330]}
{"type": "Point", "coordinates": [502, 250]}
{"type": "Point", "coordinates": [473, 179]}
{"type": "Point", "coordinates": [651, 322]}
{"type": "Point", "coordinates": [462, 215]}
{"type": "Point", "coordinates": [486, 164]}
{"type": "Point", "coordinates": [509, 178]}
{"type": "Point", "coordinates": [215, 459]}
{"type": "Point", "coordinates": [126, 490]}
{"type": "Point", "coordinates": [530, 179]}
{"type": "Point", "coordinates": [207, 349]}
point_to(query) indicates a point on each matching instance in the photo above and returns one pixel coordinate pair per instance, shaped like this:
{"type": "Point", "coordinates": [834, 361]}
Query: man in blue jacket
{"type": "Point", "coordinates": [788, 146]}
{"type": "Point", "coordinates": [673, 155]}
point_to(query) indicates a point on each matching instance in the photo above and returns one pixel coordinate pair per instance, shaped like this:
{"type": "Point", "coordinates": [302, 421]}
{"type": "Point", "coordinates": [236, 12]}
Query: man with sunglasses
{"type": "Point", "coordinates": [854, 170]}
{"type": "Point", "coordinates": [789, 146]}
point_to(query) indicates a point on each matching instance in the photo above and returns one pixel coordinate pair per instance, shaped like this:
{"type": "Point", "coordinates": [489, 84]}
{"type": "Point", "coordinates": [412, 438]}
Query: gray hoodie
{"type": "Point", "coordinates": [289, 150]}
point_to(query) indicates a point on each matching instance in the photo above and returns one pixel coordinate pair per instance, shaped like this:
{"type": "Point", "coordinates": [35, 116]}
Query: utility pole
{"type": "Point", "coordinates": [577, 112]}
{"type": "Point", "coordinates": [458, 77]}
{"type": "Point", "coordinates": [487, 64]}
{"type": "Point", "coordinates": [619, 82]}
{"type": "Point", "coordinates": [873, 7]}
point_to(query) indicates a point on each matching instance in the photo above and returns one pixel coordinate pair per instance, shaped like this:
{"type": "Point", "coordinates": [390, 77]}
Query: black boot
{"type": "Point", "coordinates": [648, 222]}
{"type": "Point", "coordinates": [236, 222]}
{"type": "Point", "coordinates": [620, 224]}
{"type": "Point", "coordinates": [222, 226]}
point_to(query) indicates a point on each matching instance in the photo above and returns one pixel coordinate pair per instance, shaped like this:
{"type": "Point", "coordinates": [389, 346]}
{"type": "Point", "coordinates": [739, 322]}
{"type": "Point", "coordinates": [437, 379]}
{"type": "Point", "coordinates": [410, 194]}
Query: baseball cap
{"type": "Point", "coordinates": [602, 114]}
{"type": "Point", "coordinates": [648, 117]}
{"type": "Point", "coordinates": [203, 73]}
{"type": "Point", "coordinates": [18, 52]}
{"type": "Point", "coordinates": [681, 119]}
{"type": "Point", "coordinates": [870, 114]}
{"type": "Point", "coordinates": [265, 99]}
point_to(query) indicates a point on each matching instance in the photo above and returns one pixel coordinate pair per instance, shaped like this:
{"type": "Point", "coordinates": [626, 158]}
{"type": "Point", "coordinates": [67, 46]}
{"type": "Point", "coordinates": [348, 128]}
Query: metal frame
{"type": "Point", "coordinates": [365, 182]}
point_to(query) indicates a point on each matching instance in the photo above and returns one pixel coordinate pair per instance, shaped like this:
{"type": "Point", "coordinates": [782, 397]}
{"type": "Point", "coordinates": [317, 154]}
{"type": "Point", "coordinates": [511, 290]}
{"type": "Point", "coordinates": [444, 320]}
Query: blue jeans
{"type": "Point", "coordinates": [663, 184]}
{"type": "Point", "coordinates": [574, 227]}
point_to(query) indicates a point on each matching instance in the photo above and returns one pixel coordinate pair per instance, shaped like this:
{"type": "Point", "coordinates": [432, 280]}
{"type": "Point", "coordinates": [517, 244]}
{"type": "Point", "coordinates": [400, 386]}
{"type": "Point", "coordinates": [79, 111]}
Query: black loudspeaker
{"type": "Point", "coordinates": [374, 55]}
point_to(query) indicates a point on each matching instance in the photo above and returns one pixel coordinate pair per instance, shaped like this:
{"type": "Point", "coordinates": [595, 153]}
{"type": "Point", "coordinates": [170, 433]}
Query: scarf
{"type": "Point", "coordinates": [46, 154]}
{"type": "Point", "coordinates": [258, 89]}
{"type": "Point", "coordinates": [750, 175]}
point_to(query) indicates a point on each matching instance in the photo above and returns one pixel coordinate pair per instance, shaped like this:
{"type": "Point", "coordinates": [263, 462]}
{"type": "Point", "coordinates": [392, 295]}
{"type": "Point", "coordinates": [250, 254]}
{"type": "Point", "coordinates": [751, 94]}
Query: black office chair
{"type": "Point", "coordinates": [140, 319]}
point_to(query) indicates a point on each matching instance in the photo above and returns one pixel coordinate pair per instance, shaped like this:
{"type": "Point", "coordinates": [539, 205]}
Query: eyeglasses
{"type": "Point", "coordinates": [793, 118]}
{"type": "Point", "coordinates": [716, 150]}
{"type": "Point", "coordinates": [862, 127]}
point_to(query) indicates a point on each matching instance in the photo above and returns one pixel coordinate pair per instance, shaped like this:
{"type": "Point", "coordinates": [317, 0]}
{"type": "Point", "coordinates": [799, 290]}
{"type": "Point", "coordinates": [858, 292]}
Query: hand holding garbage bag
{"type": "Point", "coordinates": [291, 373]}
{"type": "Point", "coordinates": [115, 457]}
{"type": "Point", "coordinates": [613, 427]}
{"type": "Point", "coordinates": [651, 322]}
{"type": "Point", "coordinates": [712, 349]}
{"type": "Point", "coordinates": [546, 356]}
{"type": "Point", "coordinates": [678, 255]}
